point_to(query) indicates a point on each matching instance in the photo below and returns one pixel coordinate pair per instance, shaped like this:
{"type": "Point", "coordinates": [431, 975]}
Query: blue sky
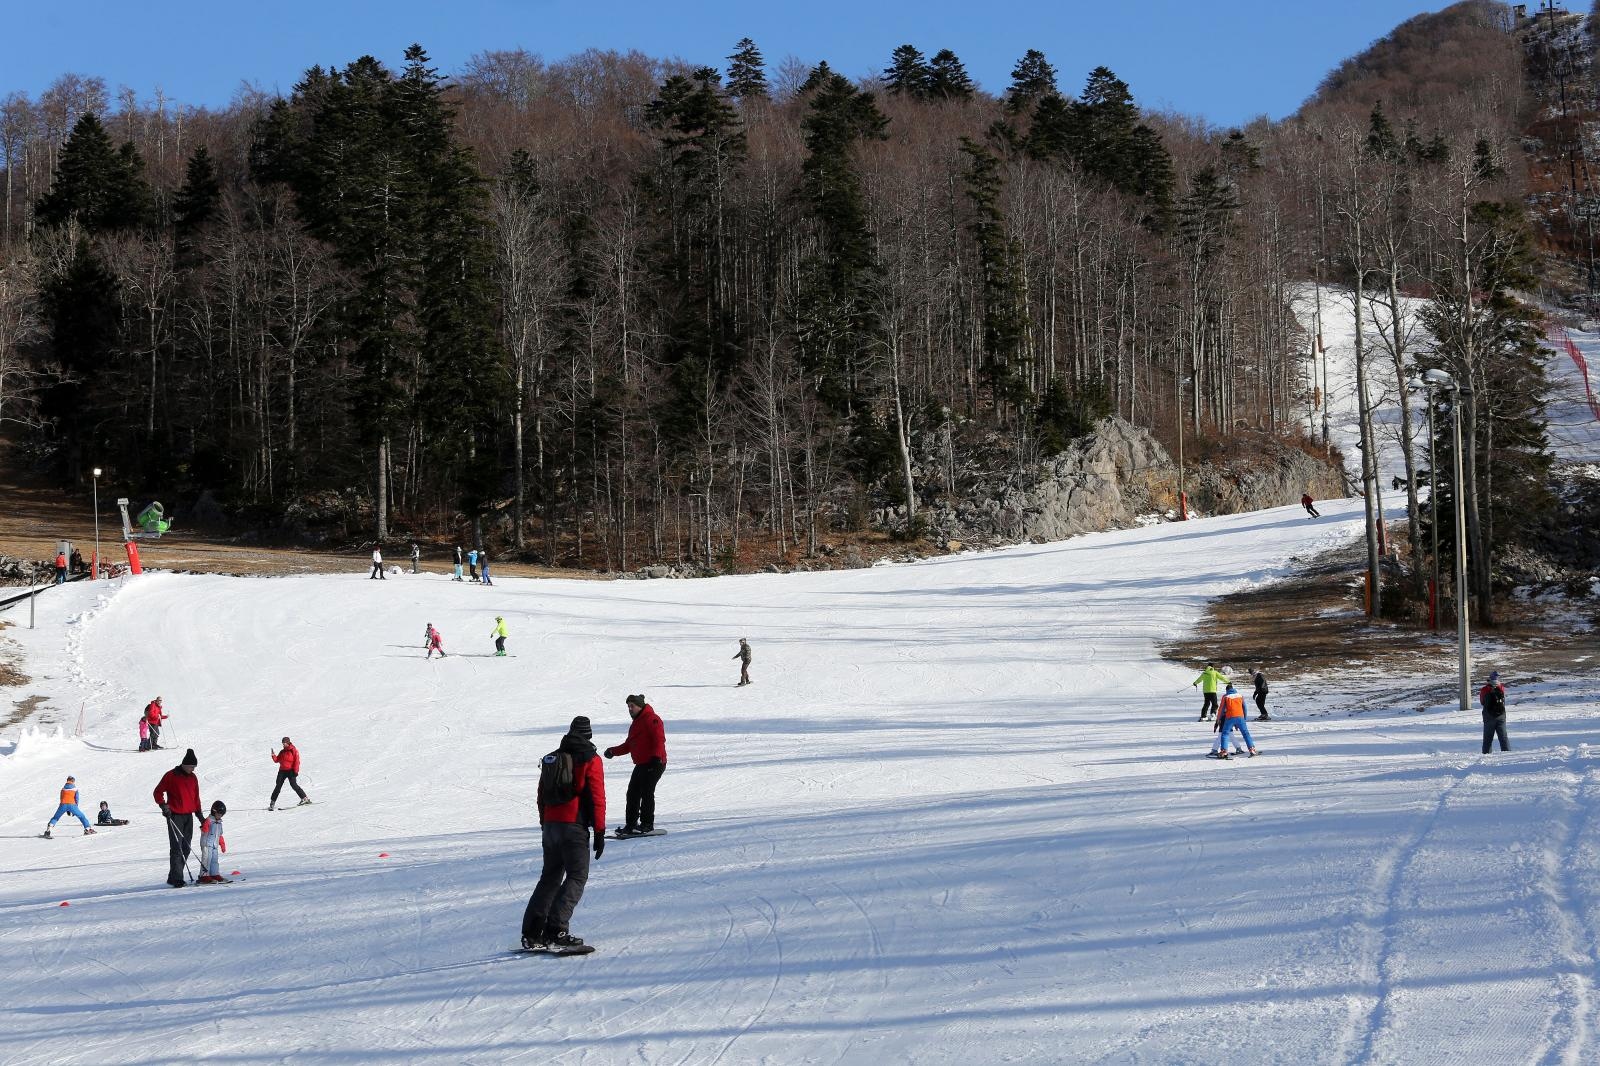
{"type": "Point", "coordinates": [1226, 60]}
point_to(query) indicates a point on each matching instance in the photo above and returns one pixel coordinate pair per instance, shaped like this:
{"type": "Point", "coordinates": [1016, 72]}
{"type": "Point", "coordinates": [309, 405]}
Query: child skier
{"type": "Point", "coordinates": [105, 816]}
{"type": "Point", "coordinates": [472, 564]}
{"type": "Point", "coordinates": [212, 844]}
{"type": "Point", "coordinates": [1310, 505]}
{"type": "Point", "coordinates": [499, 634]}
{"type": "Point", "coordinates": [1229, 718]}
{"type": "Point", "coordinates": [433, 641]}
{"type": "Point", "coordinates": [144, 733]}
{"type": "Point", "coordinates": [69, 805]}
{"type": "Point", "coordinates": [483, 567]}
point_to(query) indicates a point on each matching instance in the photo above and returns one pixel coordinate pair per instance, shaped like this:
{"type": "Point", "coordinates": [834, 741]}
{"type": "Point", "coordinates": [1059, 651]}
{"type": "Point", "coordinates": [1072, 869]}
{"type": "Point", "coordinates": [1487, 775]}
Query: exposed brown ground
{"type": "Point", "coordinates": [1313, 622]}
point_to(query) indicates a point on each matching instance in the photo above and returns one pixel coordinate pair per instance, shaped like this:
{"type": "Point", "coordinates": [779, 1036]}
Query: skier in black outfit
{"type": "Point", "coordinates": [564, 829]}
{"type": "Point", "coordinates": [1259, 679]}
{"type": "Point", "coordinates": [1492, 697]}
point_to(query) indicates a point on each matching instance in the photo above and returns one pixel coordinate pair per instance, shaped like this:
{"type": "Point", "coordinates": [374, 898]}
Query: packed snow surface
{"type": "Point", "coordinates": [961, 816]}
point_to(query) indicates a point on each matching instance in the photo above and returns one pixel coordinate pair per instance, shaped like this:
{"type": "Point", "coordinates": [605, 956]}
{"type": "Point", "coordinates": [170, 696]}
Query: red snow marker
{"type": "Point", "coordinates": [234, 874]}
{"type": "Point", "coordinates": [383, 854]}
{"type": "Point", "coordinates": [64, 903]}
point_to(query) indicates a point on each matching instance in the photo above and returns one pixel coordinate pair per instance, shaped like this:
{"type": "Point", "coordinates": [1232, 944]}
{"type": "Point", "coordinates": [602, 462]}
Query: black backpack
{"type": "Point", "coordinates": [1494, 701]}
{"type": "Point", "coordinates": [557, 784]}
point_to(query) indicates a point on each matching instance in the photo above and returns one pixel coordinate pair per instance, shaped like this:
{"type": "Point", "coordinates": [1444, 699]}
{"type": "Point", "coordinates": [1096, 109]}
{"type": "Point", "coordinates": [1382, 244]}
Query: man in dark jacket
{"type": "Point", "coordinates": [564, 828]}
{"type": "Point", "coordinates": [178, 796]}
{"type": "Point", "coordinates": [1492, 698]}
{"type": "Point", "coordinates": [1259, 679]}
{"type": "Point", "coordinates": [647, 743]}
{"type": "Point", "coordinates": [743, 655]}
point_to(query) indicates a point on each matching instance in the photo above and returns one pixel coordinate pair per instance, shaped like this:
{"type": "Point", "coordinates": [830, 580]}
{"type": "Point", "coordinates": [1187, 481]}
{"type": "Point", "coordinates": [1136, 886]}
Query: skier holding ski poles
{"type": "Point", "coordinates": [178, 796]}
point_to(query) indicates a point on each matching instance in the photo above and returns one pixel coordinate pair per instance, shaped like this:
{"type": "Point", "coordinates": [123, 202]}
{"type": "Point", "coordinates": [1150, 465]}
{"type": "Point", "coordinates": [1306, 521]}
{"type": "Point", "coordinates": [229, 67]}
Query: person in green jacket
{"type": "Point", "coordinates": [499, 634]}
{"type": "Point", "coordinates": [1208, 680]}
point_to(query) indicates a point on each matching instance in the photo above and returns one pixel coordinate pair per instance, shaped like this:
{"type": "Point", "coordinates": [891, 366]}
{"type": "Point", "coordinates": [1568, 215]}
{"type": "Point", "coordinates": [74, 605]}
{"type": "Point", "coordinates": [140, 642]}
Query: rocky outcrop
{"type": "Point", "coordinates": [1111, 478]}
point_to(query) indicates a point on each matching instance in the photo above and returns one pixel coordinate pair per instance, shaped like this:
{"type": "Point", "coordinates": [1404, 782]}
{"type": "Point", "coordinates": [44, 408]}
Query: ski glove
{"type": "Point", "coordinates": [610, 752]}
{"type": "Point", "coordinates": [599, 843]}
{"type": "Point", "coordinates": [166, 812]}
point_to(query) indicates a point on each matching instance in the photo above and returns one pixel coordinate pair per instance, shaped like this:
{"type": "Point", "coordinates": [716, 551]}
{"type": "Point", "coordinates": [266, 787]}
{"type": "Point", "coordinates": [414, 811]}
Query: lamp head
{"type": "Point", "coordinates": [97, 471]}
{"type": "Point", "coordinates": [1439, 377]}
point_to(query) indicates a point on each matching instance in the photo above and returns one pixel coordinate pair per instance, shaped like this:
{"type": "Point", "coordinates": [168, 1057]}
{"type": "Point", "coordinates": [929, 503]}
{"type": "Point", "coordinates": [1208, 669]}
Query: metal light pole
{"type": "Point", "coordinates": [1433, 506]}
{"type": "Point", "coordinates": [94, 568]}
{"type": "Point", "coordinates": [1463, 638]}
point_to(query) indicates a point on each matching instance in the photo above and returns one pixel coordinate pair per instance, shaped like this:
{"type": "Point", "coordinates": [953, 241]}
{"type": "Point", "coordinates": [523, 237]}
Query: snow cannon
{"type": "Point", "coordinates": [153, 520]}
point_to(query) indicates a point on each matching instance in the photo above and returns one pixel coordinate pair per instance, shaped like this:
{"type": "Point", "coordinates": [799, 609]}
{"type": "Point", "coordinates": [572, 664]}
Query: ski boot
{"type": "Point", "coordinates": [564, 940]}
{"type": "Point", "coordinates": [272, 806]}
{"type": "Point", "coordinates": [303, 801]}
{"type": "Point", "coordinates": [47, 832]}
{"type": "Point", "coordinates": [533, 943]}
{"type": "Point", "coordinates": [88, 831]}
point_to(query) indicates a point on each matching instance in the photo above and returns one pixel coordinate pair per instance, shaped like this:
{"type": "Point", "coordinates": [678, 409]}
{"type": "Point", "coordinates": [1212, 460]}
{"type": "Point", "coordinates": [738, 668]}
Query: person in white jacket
{"type": "Point", "coordinates": [377, 565]}
{"type": "Point", "coordinates": [212, 844]}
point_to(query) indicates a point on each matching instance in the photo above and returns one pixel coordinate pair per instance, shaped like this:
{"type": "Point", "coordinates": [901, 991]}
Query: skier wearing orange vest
{"type": "Point", "coordinates": [1229, 718]}
{"type": "Point", "coordinates": [69, 805]}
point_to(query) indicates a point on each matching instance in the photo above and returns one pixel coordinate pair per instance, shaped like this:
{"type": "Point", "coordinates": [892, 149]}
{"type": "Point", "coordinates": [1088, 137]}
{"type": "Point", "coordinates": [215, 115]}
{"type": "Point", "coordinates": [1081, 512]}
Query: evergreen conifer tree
{"type": "Point", "coordinates": [908, 73]}
{"type": "Point", "coordinates": [101, 187]}
{"type": "Point", "coordinates": [747, 72]}
{"type": "Point", "coordinates": [947, 77]}
{"type": "Point", "coordinates": [1032, 79]}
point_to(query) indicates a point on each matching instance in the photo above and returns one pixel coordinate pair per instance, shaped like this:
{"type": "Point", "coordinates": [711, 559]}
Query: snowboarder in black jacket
{"type": "Point", "coordinates": [1259, 679]}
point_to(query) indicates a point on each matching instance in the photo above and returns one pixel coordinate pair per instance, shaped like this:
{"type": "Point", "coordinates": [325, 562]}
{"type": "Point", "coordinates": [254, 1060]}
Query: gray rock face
{"type": "Point", "coordinates": [1107, 480]}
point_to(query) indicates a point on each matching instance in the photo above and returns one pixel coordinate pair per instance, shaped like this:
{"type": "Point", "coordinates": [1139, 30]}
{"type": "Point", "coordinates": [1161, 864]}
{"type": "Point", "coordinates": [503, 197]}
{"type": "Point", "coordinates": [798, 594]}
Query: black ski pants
{"type": "Point", "coordinates": [1494, 725]}
{"type": "Point", "coordinates": [1210, 705]}
{"type": "Point", "coordinates": [180, 834]}
{"type": "Point", "coordinates": [560, 887]}
{"type": "Point", "coordinates": [155, 736]}
{"type": "Point", "coordinates": [1261, 703]}
{"type": "Point", "coordinates": [641, 810]}
{"type": "Point", "coordinates": [291, 776]}
{"type": "Point", "coordinates": [377, 573]}
{"type": "Point", "coordinates": [499, 644]}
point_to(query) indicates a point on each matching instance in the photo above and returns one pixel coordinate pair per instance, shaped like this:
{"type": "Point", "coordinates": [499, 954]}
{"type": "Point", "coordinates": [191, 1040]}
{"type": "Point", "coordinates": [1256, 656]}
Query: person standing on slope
{"type": "Point", "coordinates": [155, 714]}
{"type": "Point", "coordinates": [647, 743]}
{"type": "Point", "coordinates": [416, 557]}
{"type": "Point", "coordinates": [212, 844]}
{"type": "Point", "coordinates": [377, 566]}
{"type": "Point", "coordinates": [483, 566]}
{"type": "Point", "coordinates": [144, 732]}
{"type": "Point", "coordinates": [572, 801]}
{"type": "Point", "coordinates": [1229, 718]}
{"type": "Point", "coordinates": [69, 805]}
{"type": "Point", "coordinates": [1492, 698]}
{"type": "Point", "coordinates": [178, 796]}
{"type": "Point", "coordinates": [61, 568]}
{"type": "Point", "coordinates": [458, 563]}
{"type": "Point", "coordinates": [743, 655]}
{"type": "Point", "coordinates": [1259, 679]}
{"type": "Point", "coordinates": [499, 634]}
{"type": "Point", "coordinates": [1208, 680]}
{"type": "Point", "coordinates": [1309, 505]}
{"type": "Point", "coordinates": [472, 564]}
{"type": "Point", "coordinates": [288, 761]}
{"type": "Point", "coordinates": [433, 640]}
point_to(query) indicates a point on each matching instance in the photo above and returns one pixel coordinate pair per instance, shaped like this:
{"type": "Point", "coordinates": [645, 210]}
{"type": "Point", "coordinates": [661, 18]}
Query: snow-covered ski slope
{"type": "Point", "coordinates": [962, 816]}
{"type": "Point", "coordinates": [1572, 409]}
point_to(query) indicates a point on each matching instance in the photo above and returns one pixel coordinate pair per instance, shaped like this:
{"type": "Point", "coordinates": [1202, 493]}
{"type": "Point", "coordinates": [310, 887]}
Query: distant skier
{"type": "Point", "coordinates": [416, 557]}
{"type": "Point", "coordinates": [472, 564]}
{"type": "Point", "coordinates": [144, 732]}
{"type": "Point", "coordinates": [1259, 680]}
{"type": "Point", "coordinates": [1229, 718]}
{"type": "Point", "coordinates": [499, 634]}
{"type": "Point", "coordinates": [69, 805]}
{"type": "Point", "coordinates": [743, 655]}
{"type": "Point", "coordinates": [433, 640]}
{"type": "Point", "coordinates": [1310, 505]}
{"type": "Point", "coordinates": [647, 743]}
{"type": "Point", "coordinates": [105, 818]}
{"type": "Point", "coordinates": [154, 715]}
{"type": "Point", "coordinates": [458, 563]}
{"type": "Point", "coordinates": [178, 796]}
{"type": "Point", "coordinates": [61, 568]}
{"type": "Point", "coordinates": [212, 845]}
{"type": "Point", "coordinates": [1208, 680]}
{"type": "Point", "coordinates": [377, 566]}
{"type": "Point", "coordinates": [1492, 698]}
{"type": "Point", "coordinates": [572, 801]}
{"type": "Point", "coordinates": [288, 761]}
{"type": "Point", "coordinates": [483, 567]}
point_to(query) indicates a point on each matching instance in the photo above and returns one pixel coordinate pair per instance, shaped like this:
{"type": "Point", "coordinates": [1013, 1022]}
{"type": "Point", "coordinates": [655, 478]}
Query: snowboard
{"type": "Point", "coordinates": [586, 949]}
{"type": "Point", "coordinates": [223, 881]}
{"type": "Point", "coordinates": [630, 836]}
{"type": "Point", "coordinates": [114, 821]}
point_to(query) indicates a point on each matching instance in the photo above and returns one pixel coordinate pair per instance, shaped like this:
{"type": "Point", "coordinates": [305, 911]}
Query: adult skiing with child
{"type": "Point", "coordinates": [154, 715]}
{"type": "Point", "coordinates": [647, 744]}
{"type": "Point", "coordinates": [572, 803]}
{"type": "Point", "coordinates": [178, 796]}
{"type": "Point", "coordinates": [288, 760]}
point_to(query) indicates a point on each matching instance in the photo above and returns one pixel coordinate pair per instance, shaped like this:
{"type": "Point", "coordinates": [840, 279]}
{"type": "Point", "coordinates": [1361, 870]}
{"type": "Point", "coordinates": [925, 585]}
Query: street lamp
{"type": "Point", "coordinates": [94, 569]}
{"type": "Point", "coordinates": [1439, 379]}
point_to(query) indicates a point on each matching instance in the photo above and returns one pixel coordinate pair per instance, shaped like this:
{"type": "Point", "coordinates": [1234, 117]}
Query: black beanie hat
{"type": "Point", "coordinates": [189, 758]}
{"type": "Point", "coordinates": [637, 701]}
{"type": "Point", "coordinates": [581, 728]}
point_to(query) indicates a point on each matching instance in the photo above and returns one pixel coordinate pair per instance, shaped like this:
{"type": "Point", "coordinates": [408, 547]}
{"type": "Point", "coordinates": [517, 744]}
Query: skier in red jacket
{"type": "Point", "coordinates": [288, 761]}
{"type": "Point", "coordinates": [647, 743]}
{"type": "Point", "coordinates": [178, 796]}
{"type": "Point", "coordinates": [564, 829]}
{"type": "Point", "coordinates": [155, 714]}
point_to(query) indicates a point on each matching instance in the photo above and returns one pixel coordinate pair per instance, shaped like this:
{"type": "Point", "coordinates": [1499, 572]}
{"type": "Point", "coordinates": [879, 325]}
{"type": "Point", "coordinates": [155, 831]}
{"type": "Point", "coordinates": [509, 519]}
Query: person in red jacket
{"type": "Point", "coordinates": [155, 714]}
{"type": "Point", "coordinates": [288, 761]}
{"type": "Point", "coordinates": [564, 825]}
{"type": "Point", "coordinates": [647, 743]}
{"type": "Point", "coordinates": [178, 796]}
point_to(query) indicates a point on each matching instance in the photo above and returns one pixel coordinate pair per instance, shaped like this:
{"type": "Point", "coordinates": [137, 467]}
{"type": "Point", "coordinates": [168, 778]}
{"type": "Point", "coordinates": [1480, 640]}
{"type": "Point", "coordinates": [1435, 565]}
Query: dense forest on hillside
{"type": "Point", "coordinates": [612, 309]}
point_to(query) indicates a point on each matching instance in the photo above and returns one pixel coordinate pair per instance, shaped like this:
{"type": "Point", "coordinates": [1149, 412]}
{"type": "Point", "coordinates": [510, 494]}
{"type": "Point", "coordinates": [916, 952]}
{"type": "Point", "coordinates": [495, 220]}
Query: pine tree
{"type": "Point", "coordinates": [1032, 79]}
{"type": "Point", "coordinates": [101, 187]}
{"type": "Point", "coordinates": [908, 73]}
{"type": "Point", "coordinates": [747, 72]}
{"type": "Point", "coordinates": [999, 260]}
{"type": "Point", "coordinates": [198, 196]}
{"type": "Point", "coordinates": [947, 77]}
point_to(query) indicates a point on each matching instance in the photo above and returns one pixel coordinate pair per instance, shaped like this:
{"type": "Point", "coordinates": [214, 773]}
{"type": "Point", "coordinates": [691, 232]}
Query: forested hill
{"type": "Point", "coordinates": [609, 309]}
